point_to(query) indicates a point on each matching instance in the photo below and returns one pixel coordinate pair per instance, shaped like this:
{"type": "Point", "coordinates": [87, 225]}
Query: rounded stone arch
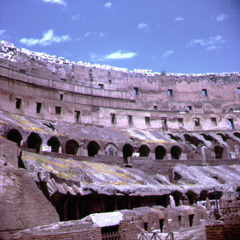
{"type": "Point", "coordinates": [160, 152]}
{"type": "Point", "coordinates": [72, 147]}
{"type": "Point", "coordinates": [218, 150]}
{"type": "Point", "coordinates": [223, 135]}
{"type": "Point", "coordinates": [193, 140]}
{"type": "Point", "coordinates": [54, 143]}
{"type": "Point", "coordinates": [15, 136]}
{"type": "Point", "coordinates": [34, 141]}
{"type": "Point", "coordinates": [93, 148]}
{"type": "Point", "coordinates": [176, 152]}
{"type": "Point", "coordinates": [207, 137]}
{"type": "Point", "coordinates": [192, 197]}
{"type": "Point", "coordinates": [236, 134]}
{"type": "Point", "coordinates": [127, 151]}
{"type": "Point", "coordinates": [144, 150]}
{"type": "Point", "coordinates": [111, 149]}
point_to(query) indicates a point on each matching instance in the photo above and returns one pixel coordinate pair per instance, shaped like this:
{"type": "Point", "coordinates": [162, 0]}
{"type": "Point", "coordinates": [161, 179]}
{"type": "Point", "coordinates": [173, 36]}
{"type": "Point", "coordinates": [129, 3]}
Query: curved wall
{"type": "Point", "coordinates": [40, 86]}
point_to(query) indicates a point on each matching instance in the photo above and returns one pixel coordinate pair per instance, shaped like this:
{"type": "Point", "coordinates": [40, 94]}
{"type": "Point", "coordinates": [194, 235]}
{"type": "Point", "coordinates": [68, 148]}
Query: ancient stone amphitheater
{"type": "Point", "coordinates": [99, 152]}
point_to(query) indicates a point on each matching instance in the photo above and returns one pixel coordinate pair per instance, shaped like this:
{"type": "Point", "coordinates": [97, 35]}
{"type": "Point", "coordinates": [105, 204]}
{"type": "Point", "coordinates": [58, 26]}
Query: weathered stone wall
{"type": "Point", "coordinates": [22, 204]}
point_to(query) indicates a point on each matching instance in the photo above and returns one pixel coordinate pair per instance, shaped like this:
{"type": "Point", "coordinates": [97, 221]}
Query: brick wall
{"type": "Point", "coordinates": [94, 234]}
{"type": "Point", "coordinates": [223, 232]}
{"type": "Point", "coordinates": [129, 230]}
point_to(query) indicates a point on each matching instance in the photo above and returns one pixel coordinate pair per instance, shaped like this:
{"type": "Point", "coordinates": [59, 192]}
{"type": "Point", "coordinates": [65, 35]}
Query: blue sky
{"type": "Point", "coordinates": [176, 36]}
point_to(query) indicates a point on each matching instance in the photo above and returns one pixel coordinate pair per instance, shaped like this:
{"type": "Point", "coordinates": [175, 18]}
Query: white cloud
{"type": "Point", "coordinates": [79, 17]}
{"type": "Point", "coordinates": [168, 53]}
{"type": "Point", "coordinates": [213, 47]}
{"type": "Point", "coordinates": [87, 34]}
{"type": "Point", "coordinates": [47, 39]}
{"type": "Point", "coordinates": [120, 55]}
{"type": "Point", "coordinates": [211, 43]}
{"type": "Point", "coordinates": [108, 5]}
{"type": "Point", "coordinates": [95, 34]}
{"type": "Point", "coordinates": [60, 2]}
{"type": "Point", "coordinates": [221, 17]}
{"type": "Point", "coordinates": [179, 19]}
{"type": "Point", "coordinates": [101, 34]}
{"type": "Point", "coordinates": [142, 25]}
{"type": "Point", "coordinates": [2, 31]}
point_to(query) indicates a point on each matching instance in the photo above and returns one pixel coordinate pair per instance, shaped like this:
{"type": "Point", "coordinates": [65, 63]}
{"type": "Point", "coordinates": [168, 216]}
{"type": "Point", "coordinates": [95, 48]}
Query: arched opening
{"type": "Point", "coordinates": [203, 195]}
{"type": "Point", "coordinates": [160, 152]}
{"type": "Point", "coordinates": [60, 208]}
{"type": "Point", "coordinates": [215, 195]}
{"type": "Point", "coordinates": [72, 147]}
{"type": "Point", "coordinates": [193, 140]}
{"type": "Point", "coordinates": [144, 151]}
{"type": "Point", "coordinates": [71, 209]}
{"type": "Point", "coordinates": [127, 151]}
{"type": "Point", "coordinates": [236, 134]}
{"type": "Point", "coordinates": [123, 202]}
{"type": "Point", "coordinates": [208, 137]}
{"type": "Point", "coordinates": [34, 142]}
{"type": "Point", "coordinates": [93, 149]}
{"type": "Point", "coordinates": [177, 196]}
{"type": "Point", "coordinates": [238, 193]}
{"type": "Point", "coordinates": [176, 152]}
{"type": "Point", "coordinates": [218, 152]}
{"type": "Point", "coordinates": [225, 137]}
{"type": "Point", "coordinates": [15, 136]}
{"type": "Point", "coordinates": [163, 200]}
{"type": "Point", "coordinates": [111, 150]}
{"type": "Point", "coordinates": [135, 202]}
{"type": "Point", "coordinates": [83, 206]}
{"type": "Point", "coordinates": [175, 137]}
{"type": "Point", "coordinates": [192, 197]}
{"type": "Point", "coordinates": [109, 203]}
{"type": "Point", "coordinates": [54, 143]}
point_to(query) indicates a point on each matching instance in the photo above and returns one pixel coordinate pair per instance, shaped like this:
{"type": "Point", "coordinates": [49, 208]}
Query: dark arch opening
{"type": "Point", "coordinates": [203, 195]}
{"type": "Point", "coordinates": [176, 152]}
{"type": "Point", "coordinates": [72, 209]}
{"type": "Point", "coordinates": [177, 196]}
{"type": "Point", "coordinates": [238, 193]}
{"type": "Point", "coordinates": [144, 151]}
{"type": "Point", "coordinates": [93, 149]}
{"type": "Point", "coordinates": [215, 195]}
{"type": "Point", "coordinates": [127, 151]}
{"type": "Point", "coordinates": [218, 152]}
{"type": "Point", "coordinates": [54, 143]}
{"type": "Point", "coordinates": [123, 202]}
{"type": "Point", "coordinates": [225, 137]}
{"type": "Point", "coordinates": [193, 140]}
{"type": "Point", "coordinates": [34, 142]}
{"type": "Point", "coordinates": [192, 197]}
{"type": "Point", "coordinates": [60, 208]}
{"type": "Point", "coordinates": [71, 147]}
{"type": "Point", "coordinates": [160, 152]}
{"type": "Point", "coordinates": [84, 206]}
{"type": "Point", "coordinates": [208, 137]}
{"type": "Point", "coordinates": [163, 200]}
{"type": "Point", "coordinates": [175, 137]}
{"type": "Point", "coordinates": [236, 134]}
{"type": "Point", "coordinates": [15, 136]}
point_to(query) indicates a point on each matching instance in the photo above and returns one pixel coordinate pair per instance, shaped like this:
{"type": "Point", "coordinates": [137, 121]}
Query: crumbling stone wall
{"type": "Point", "coordinates": [22, 204]}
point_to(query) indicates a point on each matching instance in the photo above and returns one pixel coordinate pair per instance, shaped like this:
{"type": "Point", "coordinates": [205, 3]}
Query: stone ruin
{"type": "Point", "coordinates": [98, 152]}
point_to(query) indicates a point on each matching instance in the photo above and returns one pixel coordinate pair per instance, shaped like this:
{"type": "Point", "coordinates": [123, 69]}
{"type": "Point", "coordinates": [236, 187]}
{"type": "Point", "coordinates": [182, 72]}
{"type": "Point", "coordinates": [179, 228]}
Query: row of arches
{"type": "Point", "coordinates": [34, 141]}
{"type": "Point", "coordinates": [71, 207]}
